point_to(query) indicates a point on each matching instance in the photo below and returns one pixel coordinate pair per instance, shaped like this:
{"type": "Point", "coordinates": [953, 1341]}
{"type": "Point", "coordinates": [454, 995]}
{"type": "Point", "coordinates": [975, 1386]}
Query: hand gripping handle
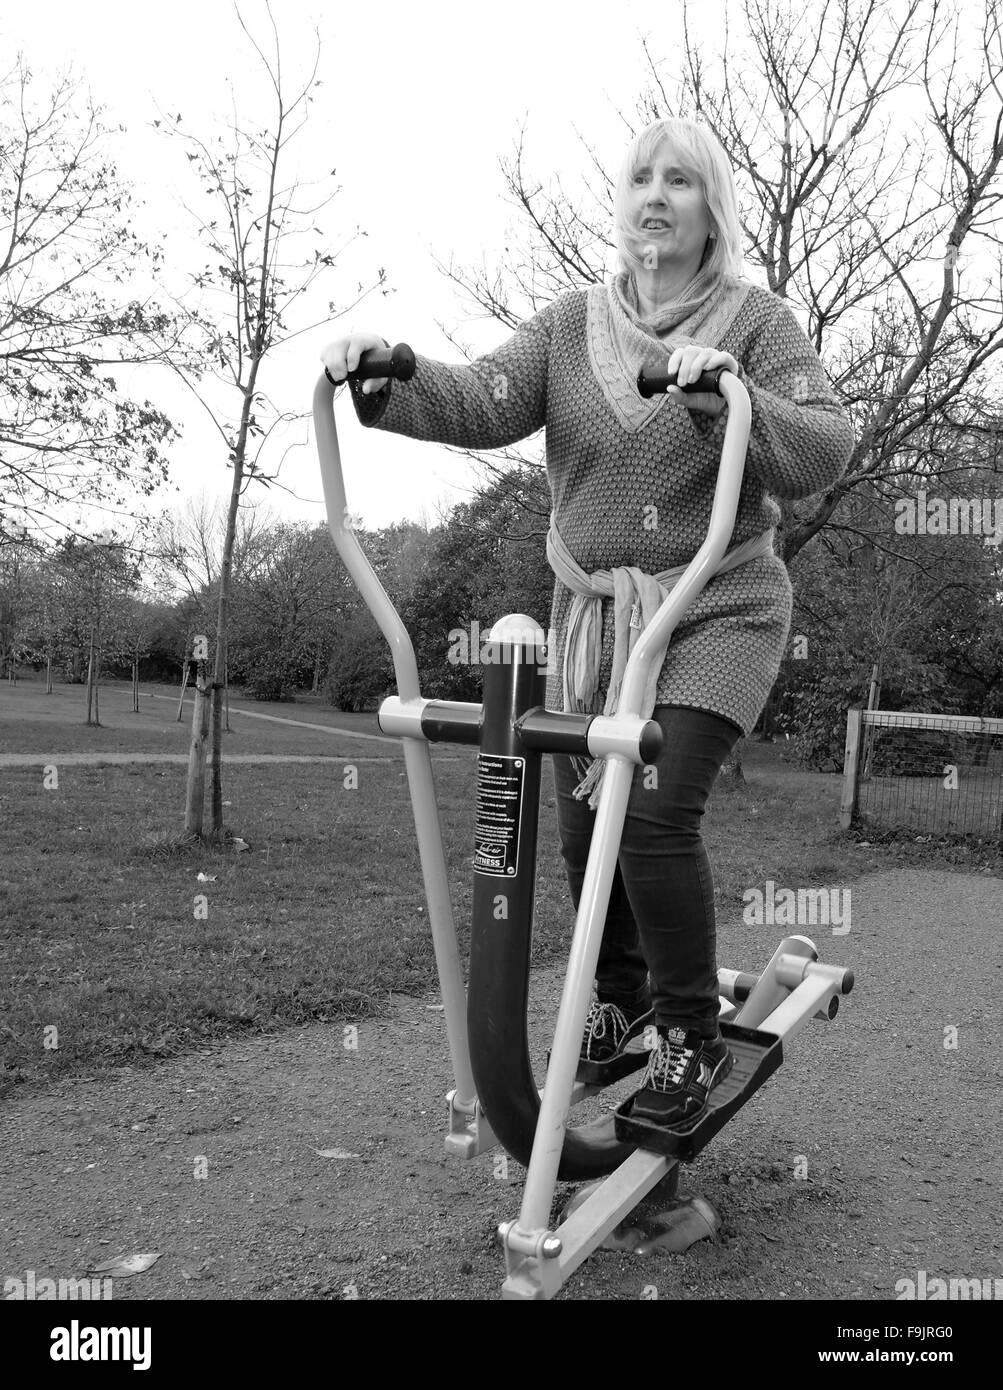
{"type": "Point", "coordinates": [654, 380]}
{"type": "Point", "coordinates": [396, 362]}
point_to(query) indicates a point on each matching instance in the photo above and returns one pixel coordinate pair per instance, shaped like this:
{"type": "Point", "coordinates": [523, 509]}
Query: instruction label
{"type": "Point", "coordinates": [499, 811]}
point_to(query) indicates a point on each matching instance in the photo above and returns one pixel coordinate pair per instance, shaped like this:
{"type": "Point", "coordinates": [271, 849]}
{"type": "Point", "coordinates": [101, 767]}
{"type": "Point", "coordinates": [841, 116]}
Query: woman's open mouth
{"type": "Point", "coordinates": [654, 224]}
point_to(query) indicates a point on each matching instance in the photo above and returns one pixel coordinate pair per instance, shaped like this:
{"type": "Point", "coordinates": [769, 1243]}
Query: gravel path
{"type": "Point", "coordinates": [901, 1136]}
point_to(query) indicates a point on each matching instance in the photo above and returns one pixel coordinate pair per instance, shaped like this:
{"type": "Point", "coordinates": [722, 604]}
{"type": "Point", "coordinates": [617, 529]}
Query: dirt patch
{"type": "Point", "coordinates": [891, 1119]}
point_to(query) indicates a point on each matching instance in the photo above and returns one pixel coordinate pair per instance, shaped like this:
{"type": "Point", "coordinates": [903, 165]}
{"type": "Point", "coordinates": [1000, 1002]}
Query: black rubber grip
{"type": "Point", "coordinates": [396, 362]}
{"type": "Point", "coordinates": [652, 381]}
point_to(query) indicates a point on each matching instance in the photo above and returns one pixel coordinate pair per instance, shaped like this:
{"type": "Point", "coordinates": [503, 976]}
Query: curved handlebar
{"type": "Point", "coordinates": [396, 362]}
{"type": "Point", "coordinates": [652, 381]}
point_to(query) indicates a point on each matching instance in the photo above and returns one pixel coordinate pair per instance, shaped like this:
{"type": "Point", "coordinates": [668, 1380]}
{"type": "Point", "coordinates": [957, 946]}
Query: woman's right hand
{"type": "Point", "coordinates": [342, 357]}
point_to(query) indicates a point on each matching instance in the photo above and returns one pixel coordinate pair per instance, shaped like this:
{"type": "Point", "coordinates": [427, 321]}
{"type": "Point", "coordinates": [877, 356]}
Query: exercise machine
{"type": "Point", "coordinates": [495, 1098]}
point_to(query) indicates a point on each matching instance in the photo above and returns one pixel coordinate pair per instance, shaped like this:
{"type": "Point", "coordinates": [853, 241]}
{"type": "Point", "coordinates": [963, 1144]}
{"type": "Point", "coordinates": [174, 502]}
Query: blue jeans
{"type": "Point", "coordinates": [661, 910]}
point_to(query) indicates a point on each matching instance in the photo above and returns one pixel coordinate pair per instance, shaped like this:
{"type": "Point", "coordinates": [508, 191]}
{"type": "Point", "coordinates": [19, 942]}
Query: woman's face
{"type": "Point", "coordinates": [668, 211]}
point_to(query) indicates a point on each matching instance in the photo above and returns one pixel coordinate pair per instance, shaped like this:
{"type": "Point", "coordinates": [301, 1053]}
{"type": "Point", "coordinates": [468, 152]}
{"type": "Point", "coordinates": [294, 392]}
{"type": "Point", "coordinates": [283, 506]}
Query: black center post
{"type": "Point", "coordinates": [514, 727]}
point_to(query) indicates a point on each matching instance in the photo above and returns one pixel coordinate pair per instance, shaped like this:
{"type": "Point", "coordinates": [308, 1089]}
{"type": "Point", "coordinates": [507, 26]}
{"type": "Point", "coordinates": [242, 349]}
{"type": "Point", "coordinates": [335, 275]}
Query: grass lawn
{"type": "Point", "coordinates": [323, 918]}
{"type": "Point", "coordinates": [33, 722]}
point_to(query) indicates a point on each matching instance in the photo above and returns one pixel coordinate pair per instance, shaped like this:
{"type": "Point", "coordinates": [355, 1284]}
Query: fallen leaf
{"type": "Point", "coordinates": [125, 1267]}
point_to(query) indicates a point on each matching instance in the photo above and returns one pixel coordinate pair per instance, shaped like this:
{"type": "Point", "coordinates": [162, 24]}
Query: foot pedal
{"type": "Point", "coordinates": [757, 1056]}
{"type": "Point", "coordinates": [606, 1073]}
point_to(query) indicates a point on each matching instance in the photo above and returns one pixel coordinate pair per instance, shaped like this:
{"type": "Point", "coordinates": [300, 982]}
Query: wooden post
{"type": "Point", "coordinates": [851, 756]}
{"type": "Point", "coordinates": [195, 799]}
{"type": "Point", "coordinates": [135, 685]}
{"type": "Point", "coordinates": [872, 694]}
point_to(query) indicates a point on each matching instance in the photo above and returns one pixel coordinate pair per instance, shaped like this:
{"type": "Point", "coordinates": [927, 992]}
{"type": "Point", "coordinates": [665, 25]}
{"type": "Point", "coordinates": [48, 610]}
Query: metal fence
{"type": "Point", "coordinates": [936, 774]}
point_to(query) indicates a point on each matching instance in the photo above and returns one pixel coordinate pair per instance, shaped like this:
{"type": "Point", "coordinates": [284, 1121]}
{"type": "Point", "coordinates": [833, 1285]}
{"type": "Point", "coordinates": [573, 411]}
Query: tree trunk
{"type": "Point", "coordinates": [226, 685]}
{"type": "Point", "coordinates": [219, 669]}
{"type": "Point", "coordinates": [97, 686]}
{"type": "Point", "coordinates": [135, 685]}
{"type": "Point", "coordinates": [195, 800]}
{"type": "Point", "coordinates": [90, 679]}
{"type": "Point", "coordinates": [316, 674]}
{"type": "Point", "coordinates": [873, 696]}
{"type": "Point", "coordinates": [184, 687]}
{"type": "Point", "coordinates": [48, 672]}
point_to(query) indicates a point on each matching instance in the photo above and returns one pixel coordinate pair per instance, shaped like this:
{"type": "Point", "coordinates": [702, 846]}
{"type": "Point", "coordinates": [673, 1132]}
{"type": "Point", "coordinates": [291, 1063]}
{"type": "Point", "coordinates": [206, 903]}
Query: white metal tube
{"type": "Point", "coordinates": [417, 758]}
{"type": "Point", "coordinates": [548, 1142]}
{"type": "Point", "coordinates": [376, 598]}
{"type": "Point", "coordinates": [769, 992]}
{"type": "Point", "coordinates": [418, 761]}
{"type": "Point", "coordinates": [800, 1005]}
{"type": "Point", "coordinates": [604, 1209]}
{"type": "Point", "coordinates": [556, 1103]}
{"type": "Point", "coordinates": [703, 565]}
{"type": "Point", "coordinates": [400, 718]}
{"type": "Point", "coordinates": [620, 733]}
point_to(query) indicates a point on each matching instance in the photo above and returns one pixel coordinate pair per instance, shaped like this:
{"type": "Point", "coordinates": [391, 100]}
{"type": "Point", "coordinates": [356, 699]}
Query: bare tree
{"type": "Point", "coordinates": [16, 573]}
{"type": "Point", "coordinates": [186, 545]}
{"type": "Point", "coordinates": [883, 231]}
{"type": "Point", "coordinates": [97, 579]}
{"type": "Point", "coordinates": [68, 433]}
{"type": "Point", "coordinates": [258, 271]}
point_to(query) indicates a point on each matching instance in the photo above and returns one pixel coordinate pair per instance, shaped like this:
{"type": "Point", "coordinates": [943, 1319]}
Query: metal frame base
{"type": "Point", "coordinates": [793, 989]}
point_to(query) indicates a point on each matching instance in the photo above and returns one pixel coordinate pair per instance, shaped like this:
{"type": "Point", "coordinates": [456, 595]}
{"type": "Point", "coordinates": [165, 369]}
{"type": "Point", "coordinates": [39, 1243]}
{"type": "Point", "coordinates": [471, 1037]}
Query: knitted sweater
{"type": "Point", "coordinates": [632, 481]}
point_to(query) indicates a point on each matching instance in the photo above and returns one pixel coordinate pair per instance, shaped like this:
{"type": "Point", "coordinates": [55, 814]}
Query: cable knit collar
{"type": "Point", "coordinates": [618, 346]}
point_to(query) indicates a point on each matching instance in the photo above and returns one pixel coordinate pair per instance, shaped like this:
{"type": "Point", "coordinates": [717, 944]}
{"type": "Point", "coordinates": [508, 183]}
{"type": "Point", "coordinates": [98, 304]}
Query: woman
{"type": "Point", "coordinates": [632, 483]}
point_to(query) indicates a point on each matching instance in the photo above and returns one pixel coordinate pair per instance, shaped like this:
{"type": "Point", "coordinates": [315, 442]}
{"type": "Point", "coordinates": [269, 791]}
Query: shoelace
{"type": "Point", "coordinates": [669, 1062]}
{"type": "Point", "coordinates": [602, 1017]}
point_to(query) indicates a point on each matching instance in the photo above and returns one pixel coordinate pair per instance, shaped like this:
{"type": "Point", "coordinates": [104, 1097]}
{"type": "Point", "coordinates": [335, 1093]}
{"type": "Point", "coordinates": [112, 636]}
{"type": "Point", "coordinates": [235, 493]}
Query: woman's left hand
{"type": "Point", "coordinates": [687, 363]}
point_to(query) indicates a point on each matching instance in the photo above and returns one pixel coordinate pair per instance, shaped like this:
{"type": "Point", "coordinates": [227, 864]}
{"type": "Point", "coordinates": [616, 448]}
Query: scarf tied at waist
{"type": "Point", "coordinates": [636, 599]}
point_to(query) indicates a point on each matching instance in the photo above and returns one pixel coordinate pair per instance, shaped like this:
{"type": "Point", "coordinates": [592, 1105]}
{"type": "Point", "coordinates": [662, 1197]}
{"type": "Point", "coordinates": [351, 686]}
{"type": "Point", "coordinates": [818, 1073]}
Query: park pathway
{"type": "Point", "coordinates": [284, 1165]}
{"type": "Point", "coordinates": [299, 723]}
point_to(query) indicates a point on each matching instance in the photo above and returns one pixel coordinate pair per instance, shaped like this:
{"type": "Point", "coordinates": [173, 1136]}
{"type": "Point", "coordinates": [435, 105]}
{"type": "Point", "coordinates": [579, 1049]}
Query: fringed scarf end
{"type": "Point", "coordinates": [591, 784]}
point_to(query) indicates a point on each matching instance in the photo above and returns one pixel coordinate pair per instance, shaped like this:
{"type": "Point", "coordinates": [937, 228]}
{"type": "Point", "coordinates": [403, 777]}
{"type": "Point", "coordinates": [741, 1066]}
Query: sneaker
{"type": "Point", "coordinates": [606, 1043]}
{"type": "Point", "coordinates": [682, 1071]}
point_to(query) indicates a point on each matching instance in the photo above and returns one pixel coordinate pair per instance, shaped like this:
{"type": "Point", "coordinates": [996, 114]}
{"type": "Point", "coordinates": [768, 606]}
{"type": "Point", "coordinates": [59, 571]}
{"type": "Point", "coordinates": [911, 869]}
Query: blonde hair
{"type": "Point", "coordinates": [698, 151]}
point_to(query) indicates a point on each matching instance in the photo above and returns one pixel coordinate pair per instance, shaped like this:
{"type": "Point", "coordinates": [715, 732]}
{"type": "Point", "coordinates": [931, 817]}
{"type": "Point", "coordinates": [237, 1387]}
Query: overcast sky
{"type": "Point", "coordinates": [418, 103]}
